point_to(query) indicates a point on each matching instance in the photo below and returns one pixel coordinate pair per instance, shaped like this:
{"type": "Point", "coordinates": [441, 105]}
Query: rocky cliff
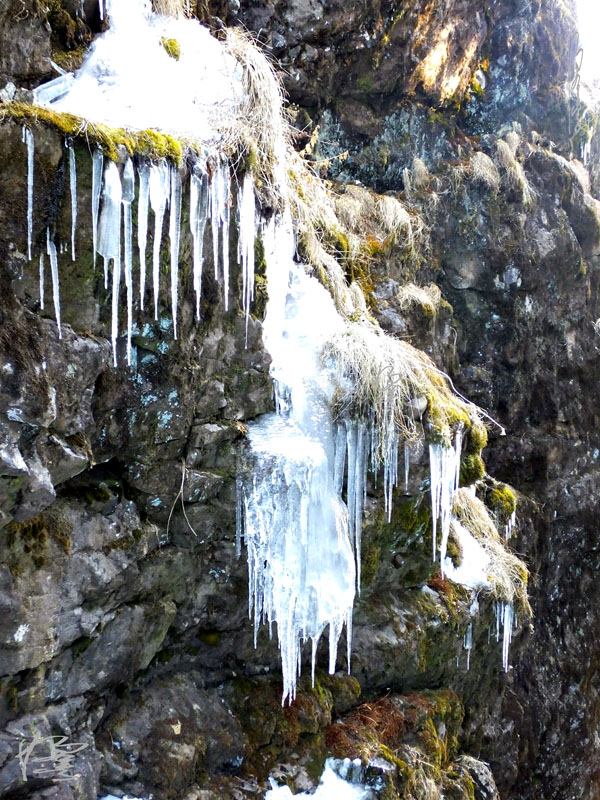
{"type": "Point", "coordinates": [125, 624]}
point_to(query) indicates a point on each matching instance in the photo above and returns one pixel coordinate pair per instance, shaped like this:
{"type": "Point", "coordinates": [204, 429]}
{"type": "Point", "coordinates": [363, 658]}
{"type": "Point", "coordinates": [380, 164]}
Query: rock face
{"type": "Point", "coordinates": [125, 609]}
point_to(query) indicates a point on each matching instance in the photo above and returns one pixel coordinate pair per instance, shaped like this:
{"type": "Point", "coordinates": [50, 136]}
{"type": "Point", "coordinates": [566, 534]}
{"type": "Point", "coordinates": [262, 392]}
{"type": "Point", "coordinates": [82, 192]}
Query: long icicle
{"type": "Point", "coordinates": [97, 166]}
{"type": "Point", "coordinates": [246, 237]}
{"type": "Point", "coordinates": [159, 193]}
{"type": "Point", "coordinates": [73, 188]}
{"type": "Point", "coordinates": [127, 199]}
{"type": "Point", "coordinates": [51, 250]}
{"type": "Point", "coordinates": [199, 201]}
{"type": "Point", "coordinates": [226, 187]}
{"type": "Point", "coordinates": [28, 139]}
{"type": "Point", "coordinates": [174, 237]}
{"type": "Point", "coordinates": [142, 232]}
{"type": "Point", "coordinates": [109, 240]}
{"type": "Point", "coordinates": [42, 280]}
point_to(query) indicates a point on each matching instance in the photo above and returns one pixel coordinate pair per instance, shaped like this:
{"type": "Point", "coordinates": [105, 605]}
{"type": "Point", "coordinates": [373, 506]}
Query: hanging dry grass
{"type": "Point", "coordinates": [262, 119]}
{"type": "Point", "coordinates": [513, 173]}
{"type": "Point", "coordinates": [428, 298]}
{"type": "Point", "coordinates": [484, 171]}
{"type": "Point", "coordinates": [507, 573]}
{"type": "Point", "coordinates": [391, 381]}
{"type": "Point", "coordinates": [174, 8]}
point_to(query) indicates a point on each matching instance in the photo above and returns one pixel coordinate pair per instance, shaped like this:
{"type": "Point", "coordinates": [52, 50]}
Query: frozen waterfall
{"type": "Point", "coordinates": [301, 558]}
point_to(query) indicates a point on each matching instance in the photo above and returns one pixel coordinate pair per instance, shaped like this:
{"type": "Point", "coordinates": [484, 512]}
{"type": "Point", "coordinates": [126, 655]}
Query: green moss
{"type": "Point", "coordinates": [124, 543]}
{"type": "Point", "coordinates": [475, 438]}
{"type": "Point", "coordinates": [80, 645]}
{"type": "Point", "coordinates": [149, 143]}
{"type": "Point", "coordinates": [69, 60]}
{"type": "Point", "coordinates": [369, 561]}
{"type": "Point", "coordinates": [501, 499]}
{"type": "Point", "coordinates": [472, 469]}
{"type": "Point", "coordinates": [35, 533]}
{"type": "Point", "coordinates": [211, 638]}
{"type": "Point", "coordinates": [454, 551]}
{"type": "Point", "coordinates": [444, 413]}
{"type": "Point", "coordinates": [365, 84]}
{"type": "Point", "coordinates": [261, 295]}
{"type": "Point", "coordinates": [172, 48]}
{"type": "Point", "coordinates": [97, 494]}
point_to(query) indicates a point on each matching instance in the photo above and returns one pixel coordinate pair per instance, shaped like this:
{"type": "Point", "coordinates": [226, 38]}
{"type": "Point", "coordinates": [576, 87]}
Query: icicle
{"type": "Point", "coordinates": [28, 139]}
{"type": "Point", "coordinates": [51, 250]}
{"type": "Point", "coordinates": [215, 214]}
{"type": "Point", "coordinates": [406, 467]}
{"type": "Point", "coordinates": [239, 516]}
{"type": "Point", "coordinates": [351, 431]}
{"type": "Point", "coordinates": [73, 187]}
{"type": "Point", "coordinates": [507, 616]}
{"type": "Point", "coordinates": [219, 213]}
{"type": "Point", "coordinates": [339, 459]}
{"type": "Point", "coordinates": [508, 528]}
{"type": "Point", "coordinates": [444, 469]}
{"type": "Point", "coordinates": [142, 235]}
{"type": "Point", "coordinates": [390, 467]}
{"type": "Point", "coordinates": [159, 194]}
{"type": "Point", "coordinates": [109, 240]}
{"type": "Point", "coordinates": [42, 280]}
{"type": "Point", "coordinates": [247, 235]}
{"type": "Point", "coordinates": [301, 558]}
{"type": "Point", "coordinates": [127, 200]}
{"type": "Point", "coordinates": [468, 643]}
{"type": "Point", "coordinates": [225, 234]}
{"type": "Point", "coordinates": [97, 165]}
{"type": "Point", "coordinates": [174, 235]}
{"type": "Point", "coordinates": [198, 217]}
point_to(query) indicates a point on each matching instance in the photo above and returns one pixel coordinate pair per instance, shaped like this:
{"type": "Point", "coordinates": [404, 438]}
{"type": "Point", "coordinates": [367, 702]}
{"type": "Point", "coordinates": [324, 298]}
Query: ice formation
{"type": "Point", "coordinates": [73, 189]}
{"type": "Point", "coordinates": [332, 785]}
{"type": "Point", "coordinates": [468, 643]}
{"type": "Point", "coordinates": [118, 89]}
{"type": "Point", "coordinates": [28, 139]}
{"type": "Point", "coordinates": [51, 251]}
{"type": "Point", "coordinates": [198, 217]}
{"type": "Point", "coordinates": [97, 167]}
{"type": "Point", "coordinates": [112, 87]}
{"type": "Point", "coordinates": [508, 528]}
{"type": "Point", "coordinates": [444, 468]}
{"type": "Point", "coordinates": [142, 232]}
{"type": "Point", "coordinates": [174, 227]}
{"type": "Point", "coordinates": [473, 569]}
{"type": "Point", "coordinates": [246, 237]}
{"type": "Point", "coordinates": [42, 280]}
{"type": "Point", "coordinates": [127, 198]}
{"type": "Point", "coordinates": [505, 619]}
{"type": "Point", "coordinates": [296, 527]}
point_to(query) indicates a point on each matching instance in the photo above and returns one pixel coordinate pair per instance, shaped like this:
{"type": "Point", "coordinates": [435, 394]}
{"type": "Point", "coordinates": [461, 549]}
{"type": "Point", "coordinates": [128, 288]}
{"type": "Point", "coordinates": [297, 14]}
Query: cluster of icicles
{"type": "Point", "coordinates": [160, 188]}
{"type": "Point", "coordinates": [301, 503]}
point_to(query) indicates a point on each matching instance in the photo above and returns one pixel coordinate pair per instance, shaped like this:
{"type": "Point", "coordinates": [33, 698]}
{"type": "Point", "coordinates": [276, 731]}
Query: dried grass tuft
{"type": "Point", "coordinates": [388, 379]}
{"type": "Point", "coordinates": [507, 573]}
{"type": "Point", "coordinates": [428, 297]}
{"type": "Point", "coordinates": [174, 8]}
{"type": "Point", "coordinates": [513, 173]}
{"type": "Point", "coordinates": [484, 171]}
{"type": "Point", "coordinates": [260, 130]}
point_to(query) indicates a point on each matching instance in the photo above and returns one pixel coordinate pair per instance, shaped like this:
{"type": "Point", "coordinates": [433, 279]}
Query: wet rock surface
{"type": "Point", "coordinates": [125, 622]}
